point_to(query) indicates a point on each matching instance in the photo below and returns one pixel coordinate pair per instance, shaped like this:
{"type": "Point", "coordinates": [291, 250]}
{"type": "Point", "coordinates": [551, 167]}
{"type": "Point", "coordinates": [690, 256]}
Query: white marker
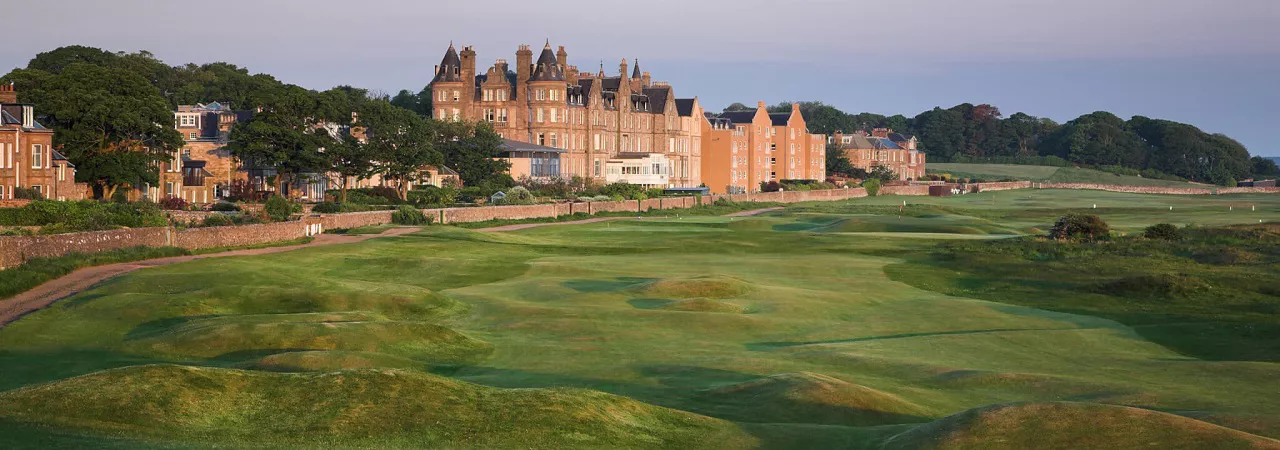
{"type": "Point", "coordinates": [1095, 206]}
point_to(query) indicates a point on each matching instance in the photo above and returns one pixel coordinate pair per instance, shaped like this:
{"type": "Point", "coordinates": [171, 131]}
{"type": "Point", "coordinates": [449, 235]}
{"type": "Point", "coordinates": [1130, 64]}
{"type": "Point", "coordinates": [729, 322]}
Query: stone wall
{"type": "Point", "coordinates": [348, 221]}
{"type": "Point", "coordinates": [511, 212]}
{"type": "Point", "coordinates": [15, 250]}
{"type": "Point", "coordinates": [1249, 190]}
{"type": "Point", "coordinates": [1128, 189]}
{"type": "Point", "coordinates": [237, 236]}
{"type": "Point", "coordinates": [904, 190]}
{"type": "Point", "coordinates": [1006, 186]}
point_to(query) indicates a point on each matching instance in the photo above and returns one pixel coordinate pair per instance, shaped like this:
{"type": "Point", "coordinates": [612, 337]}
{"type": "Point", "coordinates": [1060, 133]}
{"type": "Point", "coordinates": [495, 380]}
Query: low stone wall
{"type": "Point", "coordinates": [356, 220]}
{"type": "Point", "coordinates": [904, 190]}
{"type": "Point", "coordinates": [1249, 190]}
{"type": "Point", "coordinates": [485, 213]}
{"type": "Point", "coordinates": [1005, 186]}
{"type": "Point", "coordinates": [1128, 189]}
{"type": "Point", "coordinates": [15, 250]}
{"type": "Point", "coordinates": [236, 236]}
{"type": "Point", "coordinates": [188, 216]}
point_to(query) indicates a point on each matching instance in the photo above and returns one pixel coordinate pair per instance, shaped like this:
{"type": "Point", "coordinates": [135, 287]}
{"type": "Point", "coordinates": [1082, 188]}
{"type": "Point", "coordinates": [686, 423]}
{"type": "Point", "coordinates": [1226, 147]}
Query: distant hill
{"type": "Point", "coordinates": [1274, 158]}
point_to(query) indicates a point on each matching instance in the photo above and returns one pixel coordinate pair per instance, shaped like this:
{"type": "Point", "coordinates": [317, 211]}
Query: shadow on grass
{"type": "Point", "coordinates": [597, 286]}
{"type": "Point", "coordinates": [765, 346]}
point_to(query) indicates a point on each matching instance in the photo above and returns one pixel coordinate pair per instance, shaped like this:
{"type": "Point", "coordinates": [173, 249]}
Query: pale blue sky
{"type": "Point", "coordinates": [1212, 63]}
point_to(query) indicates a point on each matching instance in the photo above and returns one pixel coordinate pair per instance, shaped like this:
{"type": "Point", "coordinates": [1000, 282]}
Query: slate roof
{"type": "Point", "coordinates": [739, 116]}
{"type": "Point", "coordinates": [899, 137]}
{"type": "Point", "coordinates": [586, 84]}
{"type": "Point", "coordinates": [509, 145]}
{"type": "Point", "coordinates": [658, 98]}
{"type": "Point", "coordinates": [548, 67]}
{"type": "Point", "coordinates": [450, 67]}
{"type": "Point", "coordinates": [610, 83]}
{"type": "Point", "coordinates": [780, 119]}
{"type": "Point", "coordinates": [684, 106]}
{"type": "Point", "coordinates": [859, 142]}
{"type": "Point", "coordinates": [635, 73]}
{"type": "Point", "coordinates": [58, 157]}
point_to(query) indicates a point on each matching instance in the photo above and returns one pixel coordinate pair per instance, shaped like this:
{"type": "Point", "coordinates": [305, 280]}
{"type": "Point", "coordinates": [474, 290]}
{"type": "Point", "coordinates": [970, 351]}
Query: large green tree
{"type": "Point", "coordinates": [1101, 139]}
{"type": "Point", "coordinates": [473, 150]}
{"type": "Point", "coordinates": [114, 125]}
{"type": "Point", "coordinates": [285, 135]}
{"type": "Point", "coordinates": [401, 142]}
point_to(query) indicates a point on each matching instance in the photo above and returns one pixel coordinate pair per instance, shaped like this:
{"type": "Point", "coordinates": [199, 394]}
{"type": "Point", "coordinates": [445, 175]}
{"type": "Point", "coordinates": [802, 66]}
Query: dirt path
{"type": "Point", "coordinates": [41, 296]}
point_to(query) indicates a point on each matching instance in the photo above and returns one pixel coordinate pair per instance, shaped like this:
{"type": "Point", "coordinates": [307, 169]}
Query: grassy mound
{"type": "Point", "coordinates": [251, 336]}
{"type": "Point", "coordinates": [1072, 425]}
{"type": "Point", "coordinates": [1153, 286]}
{"type": "Point", "coordinates": [700, 287]}
{"type": "Point", "coordinates": [704, 305]}
{"type": "Point", "coordinates": [386, 408]}
{"type": "Point", "coordinates": [934, 224]}
{"type": "Point", "coordinates": [810, 398]}
{"type": "Point", "coordinates": [1042, 386]}
{"type": "Point", "coordinates": [324, 361]}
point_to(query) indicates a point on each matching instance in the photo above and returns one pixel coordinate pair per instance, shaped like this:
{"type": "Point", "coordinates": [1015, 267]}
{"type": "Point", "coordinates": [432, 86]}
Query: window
{"type": "Point", "coordinates": [554, 113]}
{"type": "Point", "coordinates": [441, 115]}
{"type": "Point", "coordinates": [671, 145]}
{"type": "Point", "coordinates": [456, 115]}
{"type": "Point", "coordinates": [539, 115]}
{"type": "Point", "coordinates": [502, 115]}
{"type": "Point", "coordinates": [39, 189]}
{"type": "Point", "coordinates": [596, 144]}
{"type": "Point", "coordinates": [37, 156]}
{"type": "Point", "coordinates": [554, 142]}
{"type": "Point", "coordinates": [542, 139]}
{"type": "Point", "coordinates": [456, 97]}
{"type": "Point", "coordinates": [597, 167]}
{"type": "Point", "coordinates": [489, 115]}
{"type": "Point", "coordinates": [502, 95]}
{"type": "Point", "coordinates": [62, 172]}
{"type": "Point", "coordinates": [2, 193]}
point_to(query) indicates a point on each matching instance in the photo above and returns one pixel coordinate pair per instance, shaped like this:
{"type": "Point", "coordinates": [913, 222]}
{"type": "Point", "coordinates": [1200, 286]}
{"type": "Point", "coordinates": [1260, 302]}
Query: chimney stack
{"type": "Point", "coordinates": [562, 58]}
{"type": "Point", "coordinates": [8, 94]}
{"type": "Point", "coordinates": [646, 79]}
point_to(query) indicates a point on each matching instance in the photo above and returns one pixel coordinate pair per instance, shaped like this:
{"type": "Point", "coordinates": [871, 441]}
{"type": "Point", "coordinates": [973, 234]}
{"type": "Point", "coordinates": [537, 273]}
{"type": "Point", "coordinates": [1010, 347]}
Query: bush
{"type": "Point", "coordinates": [121, 195]}
{"type": "Point", "coordinates": [872, 186]}
{"type": "Point", "coordinates": [27, 194]}
{"type": "Point", "coordinates": [770, 186]}
{"type": "Point", "coordinates": [217, 220]}
{"type": "Point", "coordinates": [327, 208]}
{"type": "Point", "coordinates": [278, 209]}
{"type": "Point", "coordinates": [723, 201]}
{"type": "Point", "coordinates": [1080, 227]}
{"type": "Point", "coordinates": [408, 215]}
{"type": "Point", "coordinates": [1163, 232]}
{"type": "Point", "coordinates": [84, 215]}
{"type": "Point", "coordinates": [518, 196]}
{"type": "Point", "coordinates": [225, 207]}
{"type": "Point", "coordinates": [433, 196]}
{"type": "Point", "coordinates": [173, 204]}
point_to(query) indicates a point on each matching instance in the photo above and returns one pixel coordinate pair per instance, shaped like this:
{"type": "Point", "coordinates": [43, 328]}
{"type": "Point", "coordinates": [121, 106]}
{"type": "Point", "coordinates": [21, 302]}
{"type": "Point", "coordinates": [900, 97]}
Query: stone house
{"type": "Point", "coordinates": [883, 148]}
{"type": "Point", "coordinates": [27, 156]}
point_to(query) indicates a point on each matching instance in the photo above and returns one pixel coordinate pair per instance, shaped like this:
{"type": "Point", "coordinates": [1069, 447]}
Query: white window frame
{"type": "Point", "coordinates": [37, 156]}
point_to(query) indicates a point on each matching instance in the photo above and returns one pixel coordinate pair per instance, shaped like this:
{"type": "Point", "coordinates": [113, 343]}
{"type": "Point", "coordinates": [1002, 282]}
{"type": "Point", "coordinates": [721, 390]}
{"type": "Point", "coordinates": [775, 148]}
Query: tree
{"type": "Point", "coordinates": [1099, 138]}
{"type": "Point", "coordinates": [838, 162]}
{"type": "Point", "coordinates": [403, 142]}
{"type": "Point", "coordinates": [473, 150]}
{"type": "Point", "coordinates": [1264, 167]}
{"type": "Point", "coordinates": [941, 132]}
{"type": "Point", "coordinates": [112, 124]}
{"type": "Point", "coordinates": [882, 173]}
{"type": "Point", "coordinates": [738, 107]}
{"type": "Point", "coordinates": [283, 136]}
{"type": "Point", "coordinates": [350, 159]}
{"type": "Point", "coordinates": [419, 103]}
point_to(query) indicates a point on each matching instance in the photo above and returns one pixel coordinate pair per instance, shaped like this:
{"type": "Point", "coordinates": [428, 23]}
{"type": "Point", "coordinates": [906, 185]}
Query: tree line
{"type": "Point", "coordinates": [112, 116]}
{"type": "Point", "coordinates": [969, 132]}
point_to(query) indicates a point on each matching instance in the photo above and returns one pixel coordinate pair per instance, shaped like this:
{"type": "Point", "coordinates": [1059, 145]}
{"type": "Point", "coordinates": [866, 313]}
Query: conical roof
{"type": "Point", "coordinates": [548, 67]}
{"type": "Point", "coordinates": [635, 73]}
{"type": "Point", "coordinates": [450, 67]}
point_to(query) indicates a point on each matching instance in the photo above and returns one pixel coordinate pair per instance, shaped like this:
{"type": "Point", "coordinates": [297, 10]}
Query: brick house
{"type": "Point", "coordinates": [742, 149]}
{"type": "Point", "coordinates": [883, 148]}
{"type": "Point", "coordinates": [592, 117]}
{"type": "Point", "coordinates": [203, 170]}
{"type": "Point", "coordinates": [27, 156]}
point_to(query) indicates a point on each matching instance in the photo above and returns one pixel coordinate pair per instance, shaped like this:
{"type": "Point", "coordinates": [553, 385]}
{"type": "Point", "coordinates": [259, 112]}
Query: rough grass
{"type": "Point", "coordinates": [567, 309]}
{"type": "Point", "coordinates": [363, 407]}
{"type": "Point", "coordinates": [810, 398]}
{"type": "Point", "coordinates": [1073, 425]}
{"type": "Point", "coordinates": [16, 280]}
{"type": "Point", "coordinates": [704, 305]}
{"type": "Point", "coordinates": [1051, 174]}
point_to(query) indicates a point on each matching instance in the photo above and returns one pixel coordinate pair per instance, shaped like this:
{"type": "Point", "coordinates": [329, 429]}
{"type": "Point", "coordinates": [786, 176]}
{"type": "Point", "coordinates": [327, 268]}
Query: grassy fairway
{"type": "Point", "coordinates": [1050, 174]}
{"type": "Point", "coordinates": [703, 332]}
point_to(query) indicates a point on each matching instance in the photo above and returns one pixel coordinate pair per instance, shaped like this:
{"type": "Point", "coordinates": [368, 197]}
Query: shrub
{"type": "Point", "coordinates": [770, 186]}
{"type": "Point", "coordinates": [225, 207]}
{"type": "Point", "coordinates": [433, 196]}
{"type": "Point", "coordinates": [27, 193]}
{"type": "Point", "coordinates": [327, 208]}
{"type": "Point", "coordinates": [121, 195]}
{"type": "Point", "coordinates": [518, 196]}
{"type": "Point", "coordinates": [84, 215]}
{"type": "Point", "coordinates": [16, 232]}
{"type": "Point", "coordinates": [278, 209]}
{"type": "Point", "coordinates": [723, 201]}
{"type": "Point", "coordinates": [408, 215]}
{"type": "Point", "coordinates": [173, 204]}
{"type": "Point", "coordinates": [1163, 232]}
{"type": "Point", "coordinates": [872, 186]}
{"type": "Point", "coordinates": [217, 220]}
{"type": "Point", "coordinates": [1080, 226]}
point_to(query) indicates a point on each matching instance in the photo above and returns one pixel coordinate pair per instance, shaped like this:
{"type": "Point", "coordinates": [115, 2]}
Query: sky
{"type": "Point", "coordinates": [1212, 63]}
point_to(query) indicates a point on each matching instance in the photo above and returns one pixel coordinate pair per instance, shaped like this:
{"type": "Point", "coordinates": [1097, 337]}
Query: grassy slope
{"type": "Point", "coordinates": [583, 307]}
{"type": "Point", "coordinates": [1049, 174]}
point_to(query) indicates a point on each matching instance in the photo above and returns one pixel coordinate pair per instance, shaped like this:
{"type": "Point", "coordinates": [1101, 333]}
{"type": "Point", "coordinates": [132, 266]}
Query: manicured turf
{"type": "Point", "coordinates": [778, 331]}
{"type": "Point", "coordinates": [1049, 174]}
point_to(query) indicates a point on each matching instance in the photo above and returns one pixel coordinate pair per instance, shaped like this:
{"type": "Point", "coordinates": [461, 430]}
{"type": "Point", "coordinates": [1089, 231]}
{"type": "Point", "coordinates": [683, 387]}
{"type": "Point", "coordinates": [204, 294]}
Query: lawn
{"type": "Point", "coordinates": [1050, 174]}
{"type": "Point", "coordinates": [799, 328]}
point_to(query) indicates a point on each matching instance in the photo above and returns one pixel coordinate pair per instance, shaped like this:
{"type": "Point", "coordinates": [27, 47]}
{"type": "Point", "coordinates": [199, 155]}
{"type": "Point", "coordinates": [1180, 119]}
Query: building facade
{"type": "Point", "coordinates": [883, 148]}
{"type": "Point", "coordinates": [592, 117]}
{"type": "Point", "coordinates": [27, 157]}
{"type": "Point", "coordinates": [203, 170]}
{"type": "Point", "coordinates": [743, 149]}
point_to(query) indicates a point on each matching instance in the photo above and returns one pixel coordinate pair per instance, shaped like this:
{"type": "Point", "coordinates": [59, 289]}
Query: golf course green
{"type": "Point", "coordinates": [863, 324]}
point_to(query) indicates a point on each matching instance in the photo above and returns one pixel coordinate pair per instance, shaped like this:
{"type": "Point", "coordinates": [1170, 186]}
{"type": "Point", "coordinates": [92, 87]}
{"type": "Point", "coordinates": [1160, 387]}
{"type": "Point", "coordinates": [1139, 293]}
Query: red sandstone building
{"type": "Point", "coordinates": [593, 118]}
{"type": "Point", "coordinates": [885, 148]}
{"type": "Point", "coordinates": [27, 157]}
{"type": "Point", "coordinates": [743, 149]}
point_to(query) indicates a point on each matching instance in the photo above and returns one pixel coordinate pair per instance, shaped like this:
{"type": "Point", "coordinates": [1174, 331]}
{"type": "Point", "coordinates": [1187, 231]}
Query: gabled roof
{"type": "Point", "coordinates": [8, 119]}
{"type": "Point", "coordinates": [586, 84]}
{"type": "Point", "coordinates": [899, 137]}
{"type": "Point", "coordinates": [860, 142]}
{"type": "Point", "coordinates": [684, 106]}
{"type": "Point", "coordinates": [780, 119]}
{"type": "Point", "coordinates": [610, 83]}
{"type": "Point", "coordinates": [58, 157]}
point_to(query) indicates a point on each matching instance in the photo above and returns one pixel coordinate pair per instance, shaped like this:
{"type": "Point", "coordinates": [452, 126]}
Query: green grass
{"type": "Point", "coordinates": [1051, 175]}
{"type": "Point", "coordinates": [288, 243]}
{"type": "Point", "coordinates": [704, 210]}
{"type": "Point", "coordinates": [16, 280]}
{"type": "Point", "coordinates": [824, 325]}
{"type": "Point", "coordinates": [365, 230]}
